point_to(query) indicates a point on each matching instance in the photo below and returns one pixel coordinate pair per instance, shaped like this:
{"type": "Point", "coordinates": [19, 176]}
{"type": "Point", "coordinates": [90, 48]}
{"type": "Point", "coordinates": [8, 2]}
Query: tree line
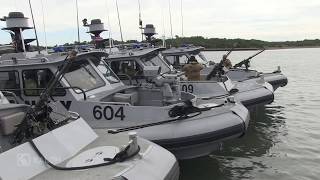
{"type": "Point", "coordinates": [216, 43]}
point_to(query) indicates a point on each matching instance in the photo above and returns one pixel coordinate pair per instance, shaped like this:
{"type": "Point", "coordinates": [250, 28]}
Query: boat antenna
{"type": "Point", "coordinates": [34, 27]}
{"type": "Point", "coordinates": [140, 21]}
{"type": "Point", "coordinates": [119, 21]}
{"type": "Point", "coordinates": [110, 33]}
{"type": "Point", "coordinates": [77, 9]}
{"type": "Point", "coordinates": [44, 26]}
{"type": "Point", "coordinates": [170, 20]}
{"type": "Point", "coordinates": [182, 29]}
{"type": "Point", "coordinates": [163, 27]}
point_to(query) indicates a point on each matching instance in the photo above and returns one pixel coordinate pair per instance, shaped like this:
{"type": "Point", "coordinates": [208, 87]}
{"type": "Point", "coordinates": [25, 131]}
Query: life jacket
{"type": "Point", "coordinates": [192, 71]}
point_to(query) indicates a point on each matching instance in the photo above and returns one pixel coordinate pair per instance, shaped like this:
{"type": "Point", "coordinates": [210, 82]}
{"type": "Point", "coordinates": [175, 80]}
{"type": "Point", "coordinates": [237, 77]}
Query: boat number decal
{"type": "Point", "coordinates": [108, 113]}
{"type": "Point", "coordinates": [187, 88]}
{"type": "Point", "coordinates": [66, 104]}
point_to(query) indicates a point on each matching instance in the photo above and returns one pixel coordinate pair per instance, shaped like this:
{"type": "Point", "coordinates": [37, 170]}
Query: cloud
{"type": "Point", "coordinates": [272, 20]}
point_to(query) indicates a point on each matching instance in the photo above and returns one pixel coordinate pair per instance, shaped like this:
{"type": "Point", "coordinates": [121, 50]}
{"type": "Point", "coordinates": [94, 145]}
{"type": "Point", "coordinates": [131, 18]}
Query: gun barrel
{"type": "Point", "coordinates": [55, 79]}
{"type": "Point", "coordinates": [245, 61]}
{"type": "Point", "coordinates": [257, 54]}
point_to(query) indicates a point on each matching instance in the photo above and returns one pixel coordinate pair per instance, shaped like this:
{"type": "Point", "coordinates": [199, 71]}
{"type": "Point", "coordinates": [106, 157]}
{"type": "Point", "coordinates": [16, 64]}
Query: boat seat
{"type": "Point", "coordinates": [128, 97]}
{"type": "Point", "coordinates": [9, 122]}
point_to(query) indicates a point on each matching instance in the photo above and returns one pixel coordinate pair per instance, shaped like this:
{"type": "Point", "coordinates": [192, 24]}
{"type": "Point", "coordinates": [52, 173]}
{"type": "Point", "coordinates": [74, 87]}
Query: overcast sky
{"type": "Point", "coordinates": [272, 20]}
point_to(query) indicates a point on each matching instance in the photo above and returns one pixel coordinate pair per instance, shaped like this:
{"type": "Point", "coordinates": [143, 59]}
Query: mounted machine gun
{"type": "Point", "coordinates": [246, 62]}
{"type": "Point", "coordinates": [37, 119]}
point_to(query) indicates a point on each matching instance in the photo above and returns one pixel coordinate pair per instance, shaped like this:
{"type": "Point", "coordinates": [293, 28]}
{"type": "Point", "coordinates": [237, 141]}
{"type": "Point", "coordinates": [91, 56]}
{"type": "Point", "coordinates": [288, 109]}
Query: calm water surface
{"type": "Point", "coordinates": [283, 140]}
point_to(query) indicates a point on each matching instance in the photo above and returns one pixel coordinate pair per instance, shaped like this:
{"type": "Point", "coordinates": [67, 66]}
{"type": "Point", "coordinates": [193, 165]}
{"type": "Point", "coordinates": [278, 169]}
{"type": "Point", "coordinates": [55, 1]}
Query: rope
{"type": "Point", "coordinates": [120, 157]}
{"type": "Point", "coordinates": [183, 113]}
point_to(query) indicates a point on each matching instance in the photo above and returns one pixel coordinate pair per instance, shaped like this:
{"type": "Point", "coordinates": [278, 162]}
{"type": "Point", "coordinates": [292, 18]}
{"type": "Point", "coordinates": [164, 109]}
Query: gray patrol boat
{"type": "Point", "coordinates": [176, 120]}
{"type": "Point", "coordinates": [40, 143]}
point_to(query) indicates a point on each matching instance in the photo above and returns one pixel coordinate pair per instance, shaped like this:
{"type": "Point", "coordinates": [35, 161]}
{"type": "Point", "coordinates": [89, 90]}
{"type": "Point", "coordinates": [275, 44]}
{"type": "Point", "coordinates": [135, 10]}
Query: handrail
{"type": "Point", "coordinates": [64, 88]}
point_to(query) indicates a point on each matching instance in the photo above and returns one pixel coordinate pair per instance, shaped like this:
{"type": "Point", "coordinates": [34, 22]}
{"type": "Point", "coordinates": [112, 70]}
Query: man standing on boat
{"type": "Point", "coordinates": [226, 62]}
{"type": "Point", "coordinates": [192, 69]}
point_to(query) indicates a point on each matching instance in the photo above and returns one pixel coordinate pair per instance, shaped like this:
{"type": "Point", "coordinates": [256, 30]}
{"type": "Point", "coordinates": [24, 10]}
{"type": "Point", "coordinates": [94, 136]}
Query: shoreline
{"type": "Point", "coordinates": [255, 49]}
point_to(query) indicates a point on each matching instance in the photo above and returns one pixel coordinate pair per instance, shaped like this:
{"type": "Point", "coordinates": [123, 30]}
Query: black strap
{"type": "Point", "coordinates": [120, 157]}
{"type": "Point", "coordinates": [181, 117]}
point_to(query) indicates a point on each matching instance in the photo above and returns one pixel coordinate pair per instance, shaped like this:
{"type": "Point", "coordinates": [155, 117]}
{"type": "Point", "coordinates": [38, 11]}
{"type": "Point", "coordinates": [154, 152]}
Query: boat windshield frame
{"type": "Point", "coordinates": [88, 67]}
{"type": "Point", "coordinates": [198, 55]}
{"type": "Point", "coordinates": [148, 60]}
{"type": "Point", "coordinates": [107, 75]}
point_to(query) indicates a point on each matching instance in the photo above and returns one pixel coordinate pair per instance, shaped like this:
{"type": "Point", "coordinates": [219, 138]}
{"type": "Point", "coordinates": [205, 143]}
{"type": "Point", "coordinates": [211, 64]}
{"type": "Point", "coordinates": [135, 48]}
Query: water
{"type": "Point", "coordinates": [283, 139]}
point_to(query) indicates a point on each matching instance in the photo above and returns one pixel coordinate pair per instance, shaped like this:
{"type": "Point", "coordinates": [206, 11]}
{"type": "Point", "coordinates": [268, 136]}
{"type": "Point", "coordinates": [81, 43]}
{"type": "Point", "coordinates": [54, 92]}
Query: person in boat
{"type": "Point", "coordinates": [226, 62]}
{"type": "Point", "coordinates": [192, 69]}
{"type": "Point", "coordinates": [30, 83]}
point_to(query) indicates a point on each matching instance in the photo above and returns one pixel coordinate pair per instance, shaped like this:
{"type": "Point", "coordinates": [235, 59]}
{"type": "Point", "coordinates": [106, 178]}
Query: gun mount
{"type": "Point", "coordinates": [168, 83]}
{"type": "Point", "coordinates": [37, 119]}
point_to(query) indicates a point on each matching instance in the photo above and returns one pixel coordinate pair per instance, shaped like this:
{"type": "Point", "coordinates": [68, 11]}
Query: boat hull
{"type": "Point", "coordinates": [276, 79]}
{"type": "Point", "coordinates": [188, 139]}
{"type": "Point", "coordinates": [249, 93]}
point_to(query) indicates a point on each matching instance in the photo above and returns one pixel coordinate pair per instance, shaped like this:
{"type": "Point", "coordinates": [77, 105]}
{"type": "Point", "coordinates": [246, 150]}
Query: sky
{"type": "Point", "coordinates": [271, 20]}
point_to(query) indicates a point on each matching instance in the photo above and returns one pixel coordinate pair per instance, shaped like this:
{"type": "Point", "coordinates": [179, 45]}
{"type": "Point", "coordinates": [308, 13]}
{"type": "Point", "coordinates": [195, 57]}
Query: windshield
{"type": "Point", "coordinates": [156, 60]}
{"type": "Point", "coordinates": [107, 73]}
{"type": "Point", "coordinates": [84, 76]}
{"type": "Point", "coordinates": [203, 57]}
{"type": "Point", "coordinates": [199, 57]}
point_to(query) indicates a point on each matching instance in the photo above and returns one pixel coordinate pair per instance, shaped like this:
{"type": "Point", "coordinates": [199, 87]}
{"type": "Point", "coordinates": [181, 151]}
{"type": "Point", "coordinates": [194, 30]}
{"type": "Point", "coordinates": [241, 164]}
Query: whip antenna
{"type": "Point", "coordinates": [170, 19]}
{"type": "Point", "coordinates": [44, 26]}
{"type": "Point", "coordinates": [182, 29]}
{"type": "Point", "coordinates": [110, 33]}
{"type": "Point", "coordinates": [119, 21]}
{"type": "Point", "coordinates": [140, 21]}
{"type": "Point", "coordinates": [34, 26]}
{"type": "Point", "coordinates": [77, 9]}
{"type": "Point", "coordinates": [163, 26]}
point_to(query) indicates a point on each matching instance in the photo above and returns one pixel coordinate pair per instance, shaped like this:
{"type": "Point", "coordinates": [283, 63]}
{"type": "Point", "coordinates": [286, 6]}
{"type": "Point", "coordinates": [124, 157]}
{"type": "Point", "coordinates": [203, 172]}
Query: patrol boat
{"type": "Point", "coordinates": [239, 73]}
{"type": "Point", "coordinates": [129, 65]}
{"type": "Point", "coordinates": [40, 143]}
{"type": "Point", "coordinates": [165, 115]}
{"type": "Point", "coordinates": [74, 151]}
{"type": "Point", "coordinates": [250, 93]}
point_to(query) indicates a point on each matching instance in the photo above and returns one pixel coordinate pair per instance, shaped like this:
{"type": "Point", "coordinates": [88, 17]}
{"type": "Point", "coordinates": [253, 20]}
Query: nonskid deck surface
{"type": "Point", "coordinates": [145, 163]}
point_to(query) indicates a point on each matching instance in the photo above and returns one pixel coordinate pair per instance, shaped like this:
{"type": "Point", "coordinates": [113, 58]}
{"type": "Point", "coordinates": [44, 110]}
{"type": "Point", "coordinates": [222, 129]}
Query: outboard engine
{"type": "Point", "coordinates": [169, 83]}
{"type": "Point", "coordinates": [16, 23]}
{"type": "Point", "coordinates": [149, 31]}
{"type": "Point", "coordinates": [95, 29]}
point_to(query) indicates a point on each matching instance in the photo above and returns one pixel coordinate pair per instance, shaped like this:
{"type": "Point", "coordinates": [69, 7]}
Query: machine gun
{"type": "Point", "coordinates": [37, 119]}
{"type": "Point", "coordinates": [246, 62]}
{"type": "Point", "coordinates": [218, 68]}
